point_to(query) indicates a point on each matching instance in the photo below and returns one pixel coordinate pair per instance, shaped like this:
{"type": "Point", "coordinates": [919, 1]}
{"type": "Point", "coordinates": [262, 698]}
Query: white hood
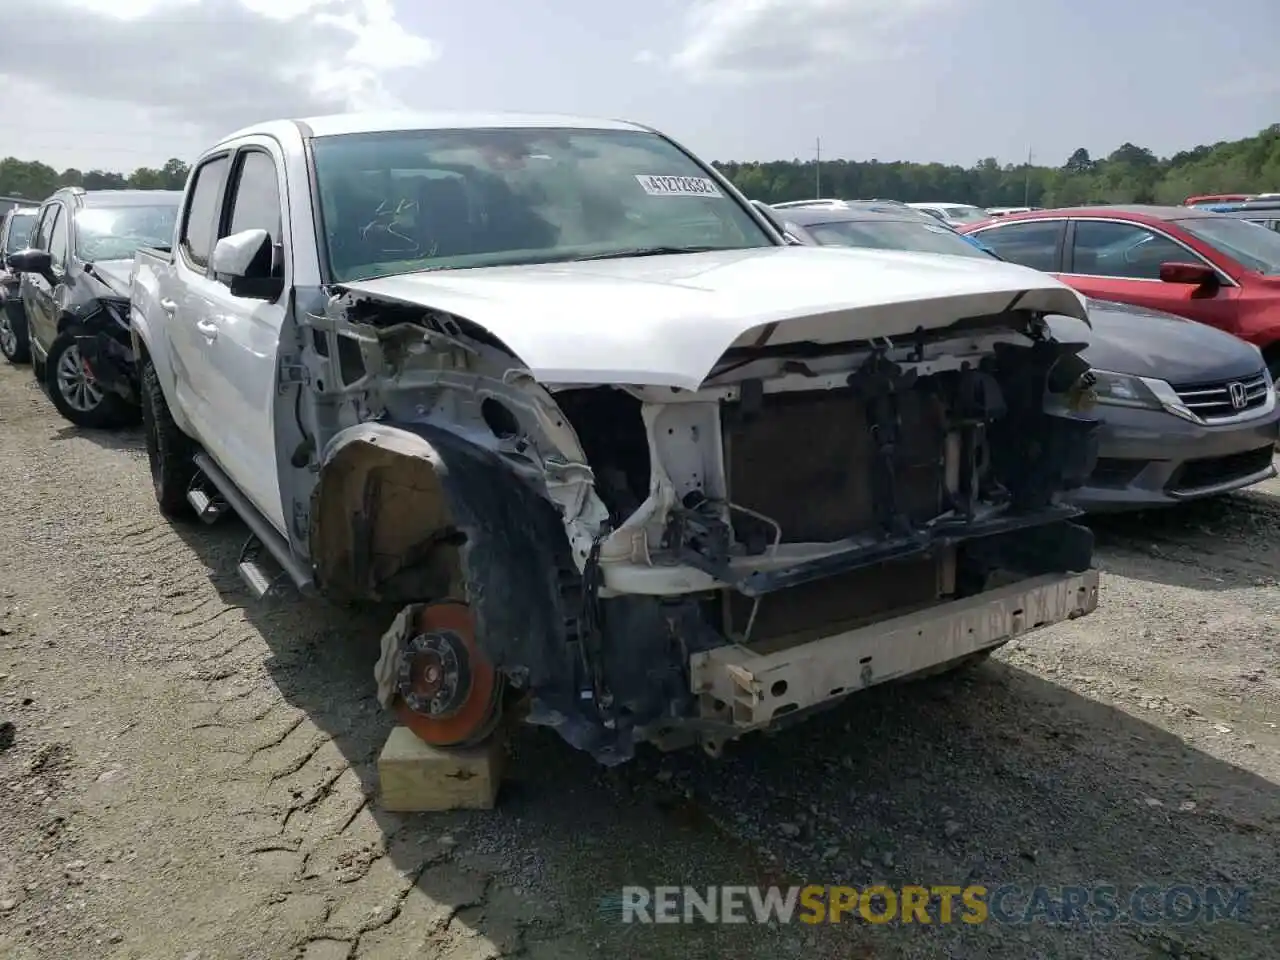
{"type": "Point", "coordinates": [666, 320]}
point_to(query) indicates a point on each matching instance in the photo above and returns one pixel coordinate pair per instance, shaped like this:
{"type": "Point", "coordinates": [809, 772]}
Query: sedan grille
{"type": "Point", "coordinates": [1217, 401]}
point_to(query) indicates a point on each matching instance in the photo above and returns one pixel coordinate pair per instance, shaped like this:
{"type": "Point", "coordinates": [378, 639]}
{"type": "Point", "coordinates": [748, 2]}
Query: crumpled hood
{"type": "Point", "coordinates": [666, 320]}
{"type": "Point", "coordinates": [114, 275]}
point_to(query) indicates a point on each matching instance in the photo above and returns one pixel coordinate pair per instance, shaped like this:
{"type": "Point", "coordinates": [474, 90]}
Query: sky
{"type": "Point", "coordinates": [118, 84]}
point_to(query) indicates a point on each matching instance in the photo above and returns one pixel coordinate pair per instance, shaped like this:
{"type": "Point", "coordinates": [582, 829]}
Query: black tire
{"type": "Point", "coordinates": [169, 450]}
{"type": "Point", "coordinates": [110, 409]}
{"type": "Point", "coordinates": [15, 342]}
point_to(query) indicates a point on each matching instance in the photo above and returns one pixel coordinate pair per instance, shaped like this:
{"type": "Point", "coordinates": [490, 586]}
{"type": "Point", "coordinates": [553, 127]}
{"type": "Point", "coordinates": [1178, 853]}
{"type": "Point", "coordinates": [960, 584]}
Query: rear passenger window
{"type": "Point", "coordinates": [1033, 244]}
{"type": "Point", "coordinates": [257, 202]}
{"type": "Point", "coordinates": [200, 221]}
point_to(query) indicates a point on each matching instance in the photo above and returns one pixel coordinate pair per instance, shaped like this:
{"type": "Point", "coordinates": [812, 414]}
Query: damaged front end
{"type": "Point", "coordinates": [100, 328]}
{"type": "Point", "coordinates": [633, 563]}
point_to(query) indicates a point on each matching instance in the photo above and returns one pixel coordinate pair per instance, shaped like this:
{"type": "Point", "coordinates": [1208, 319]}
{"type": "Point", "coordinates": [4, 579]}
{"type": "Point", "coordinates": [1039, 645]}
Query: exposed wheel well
{"type": "Point", "coordinates": [382, 528]}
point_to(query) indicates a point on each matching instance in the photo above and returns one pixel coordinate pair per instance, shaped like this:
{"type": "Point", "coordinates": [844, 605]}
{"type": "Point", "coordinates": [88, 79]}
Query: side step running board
{"type": "Point", "coordinates": [209, 504]}
{"type": "Point", "coordinates": [253, 566]}
{"type": "Point", "coordinates": [260, 573]}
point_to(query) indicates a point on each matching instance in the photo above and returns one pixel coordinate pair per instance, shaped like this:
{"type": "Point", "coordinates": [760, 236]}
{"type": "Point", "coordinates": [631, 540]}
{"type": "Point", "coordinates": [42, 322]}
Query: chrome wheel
{"type": "Point", "coordinates": [74, 382]}
{"type": "Point", "coordinates": [8, 339]}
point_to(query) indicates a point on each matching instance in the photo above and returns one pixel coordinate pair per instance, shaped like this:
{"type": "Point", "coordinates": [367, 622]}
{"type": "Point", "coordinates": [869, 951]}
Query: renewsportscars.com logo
{"type": "Point", "coordinates": [939, 904]}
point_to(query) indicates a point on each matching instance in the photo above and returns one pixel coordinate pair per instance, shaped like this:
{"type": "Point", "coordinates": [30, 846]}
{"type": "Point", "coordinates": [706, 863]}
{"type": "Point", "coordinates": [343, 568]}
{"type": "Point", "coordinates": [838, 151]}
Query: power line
{"type": "Point", "coordinates": [1026, 186]}
{"type": "Point", "coordinates": [817, 170]}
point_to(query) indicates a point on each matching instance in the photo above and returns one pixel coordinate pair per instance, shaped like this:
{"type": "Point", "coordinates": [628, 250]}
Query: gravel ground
{"type": "Point", "coordinates": [186, 774]}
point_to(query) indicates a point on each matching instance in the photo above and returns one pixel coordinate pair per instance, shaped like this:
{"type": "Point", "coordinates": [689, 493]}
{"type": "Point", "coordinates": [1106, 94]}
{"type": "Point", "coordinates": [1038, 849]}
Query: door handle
{"type": "Point", "coordinates": [168, 306]}
{"type": "Point", "coordinates": [208, 329]}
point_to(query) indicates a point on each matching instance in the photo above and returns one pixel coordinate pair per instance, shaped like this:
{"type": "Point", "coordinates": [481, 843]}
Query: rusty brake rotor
{"type": "Point", "coordinates": [448, 692]}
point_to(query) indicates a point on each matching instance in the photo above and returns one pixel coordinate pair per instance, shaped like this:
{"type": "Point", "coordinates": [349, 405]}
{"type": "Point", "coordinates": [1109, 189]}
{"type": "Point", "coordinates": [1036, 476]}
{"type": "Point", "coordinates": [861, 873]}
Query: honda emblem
{"type": "Point", "coordinates": [1238, 397]}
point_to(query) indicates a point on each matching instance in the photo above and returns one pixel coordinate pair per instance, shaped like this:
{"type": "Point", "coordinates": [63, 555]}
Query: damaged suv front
{"type": "Point", "coordinates": [676, 497]}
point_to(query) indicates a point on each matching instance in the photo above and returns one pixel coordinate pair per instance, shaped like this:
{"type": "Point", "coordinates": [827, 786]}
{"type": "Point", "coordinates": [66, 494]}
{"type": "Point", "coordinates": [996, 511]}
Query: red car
{"type": "Point", "coordinates": [1216, 269]}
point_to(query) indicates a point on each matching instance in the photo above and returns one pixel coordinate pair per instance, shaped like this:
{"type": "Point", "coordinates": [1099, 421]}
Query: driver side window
{"type": "Point", "coordinates": [58, 240]}
{"type": "Point", "coordinates": [44, 226]}
{"type": "Point", "coordinates": [256, 203]}
{"type": "Point", "coordinates": [1123, 250]}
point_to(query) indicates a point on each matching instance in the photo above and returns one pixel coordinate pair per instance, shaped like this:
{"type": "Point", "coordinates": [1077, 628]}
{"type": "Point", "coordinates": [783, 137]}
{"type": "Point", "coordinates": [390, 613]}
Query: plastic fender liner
{"type": "Point", "coordinates": [390, 494]}
{"type": "Point", "coordinates": [111, 362]}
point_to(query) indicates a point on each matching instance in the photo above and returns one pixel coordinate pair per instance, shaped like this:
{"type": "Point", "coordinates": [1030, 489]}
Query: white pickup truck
{"type": "Point", "coordinates": [626, 461]}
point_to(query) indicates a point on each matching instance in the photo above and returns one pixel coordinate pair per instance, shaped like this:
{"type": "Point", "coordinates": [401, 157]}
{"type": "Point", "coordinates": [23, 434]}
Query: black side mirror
{"type": "Point", "coordinates": [34, 261]}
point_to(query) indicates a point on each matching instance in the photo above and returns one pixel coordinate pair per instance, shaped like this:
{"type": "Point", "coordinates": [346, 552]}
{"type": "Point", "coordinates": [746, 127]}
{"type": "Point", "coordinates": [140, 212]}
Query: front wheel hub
{"type": "Point", "coordinates": [447, 690]}
{"type": "Point", "coordinates": [435, 674]}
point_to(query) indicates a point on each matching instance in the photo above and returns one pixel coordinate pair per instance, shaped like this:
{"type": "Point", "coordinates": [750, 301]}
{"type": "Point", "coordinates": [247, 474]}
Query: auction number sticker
{"type": "Point", "coordinates": [657, 186]}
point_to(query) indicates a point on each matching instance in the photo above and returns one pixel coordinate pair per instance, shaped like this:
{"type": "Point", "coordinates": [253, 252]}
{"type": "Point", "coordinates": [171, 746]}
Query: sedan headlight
{"type": "Point", "coordinates": [1123, 390]}
{"type": "Point", "coordinates": [1143, 393]}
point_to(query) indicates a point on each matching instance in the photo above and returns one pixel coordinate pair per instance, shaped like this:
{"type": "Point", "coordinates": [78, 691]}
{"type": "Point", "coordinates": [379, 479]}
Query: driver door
{"type": "Point", "coordinates": [38, 295]}
{"type": "Point", "coordinates": [1118, 261]}
{"type": "Point", "coordinates": [242, 334]}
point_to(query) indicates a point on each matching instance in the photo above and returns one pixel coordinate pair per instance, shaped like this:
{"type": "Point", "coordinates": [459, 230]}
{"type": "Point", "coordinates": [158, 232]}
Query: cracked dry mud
{"type": "Point", "coordinates": [187, 775]}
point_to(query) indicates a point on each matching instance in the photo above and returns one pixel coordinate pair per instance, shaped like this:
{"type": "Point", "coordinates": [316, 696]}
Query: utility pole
{"type": "Point", "coordinates": [817, 170]}
{"type": "Point", "coordinates": [1026, 188]}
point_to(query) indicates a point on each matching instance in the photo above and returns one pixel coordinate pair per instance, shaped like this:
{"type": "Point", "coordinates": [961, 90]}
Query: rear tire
{"type": "Point", "coordinates": [77, 398]}
{"type": "Point", "coordinates": [15, 342]}
{"type": "Point", "coordinates": [169, 450]}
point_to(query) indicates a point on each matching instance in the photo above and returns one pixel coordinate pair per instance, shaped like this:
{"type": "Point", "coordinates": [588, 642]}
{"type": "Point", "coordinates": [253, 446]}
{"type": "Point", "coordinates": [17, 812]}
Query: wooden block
{"type": "Point", "coordinates": [417, 778]}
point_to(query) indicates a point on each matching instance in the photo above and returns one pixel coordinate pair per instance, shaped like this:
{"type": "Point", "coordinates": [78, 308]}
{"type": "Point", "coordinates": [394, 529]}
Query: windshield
{"type": "Point", "coordinates": [19, 232]}
{"type": "Point", "coordinates": [894, 235]}
{"type": "Point", "coordinates": [114, 233]}
{"type": "Point", "coordinates": [432, 199]}
{"type": "Point", "coordinates": [1252, 246]}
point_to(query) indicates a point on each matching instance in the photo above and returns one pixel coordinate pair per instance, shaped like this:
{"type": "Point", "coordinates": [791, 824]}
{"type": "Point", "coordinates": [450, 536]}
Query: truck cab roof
{"type": "Point", "coordinates": [338, 124]}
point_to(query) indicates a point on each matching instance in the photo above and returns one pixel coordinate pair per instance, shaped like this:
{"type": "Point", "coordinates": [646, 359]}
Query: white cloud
{"type": "Point", "coordinates": [769, 39]}
{"type": "Point", "coordinates": [199, 65]}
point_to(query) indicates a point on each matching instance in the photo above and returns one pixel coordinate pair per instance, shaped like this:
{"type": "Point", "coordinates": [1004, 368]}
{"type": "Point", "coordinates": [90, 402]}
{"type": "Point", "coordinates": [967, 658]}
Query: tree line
{"type": "Point", "coordinates": [1129, 174]}
{"type": "Point", "coordinates": [33, 180]}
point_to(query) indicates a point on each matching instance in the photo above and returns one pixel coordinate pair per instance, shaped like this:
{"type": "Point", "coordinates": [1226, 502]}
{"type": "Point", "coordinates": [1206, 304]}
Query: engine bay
{"type": "Point", "coordinates": [610, 535]}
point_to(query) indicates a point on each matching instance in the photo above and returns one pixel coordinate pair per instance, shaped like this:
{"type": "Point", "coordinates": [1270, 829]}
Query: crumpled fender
{"type": "Point", "coordinates": [390, 494]}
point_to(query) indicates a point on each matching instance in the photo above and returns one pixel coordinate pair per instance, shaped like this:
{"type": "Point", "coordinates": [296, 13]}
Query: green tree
{"type": "Point", "coordinates": [175, 174]}
{"type": "Point", "coordinates": [1079, 162]}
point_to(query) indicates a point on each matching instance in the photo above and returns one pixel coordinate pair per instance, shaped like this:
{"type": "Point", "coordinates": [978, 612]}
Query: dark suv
{"type": "Point", "coordinates": [15, 235]}
{"type": "Point", "coordinates": [75, 295]}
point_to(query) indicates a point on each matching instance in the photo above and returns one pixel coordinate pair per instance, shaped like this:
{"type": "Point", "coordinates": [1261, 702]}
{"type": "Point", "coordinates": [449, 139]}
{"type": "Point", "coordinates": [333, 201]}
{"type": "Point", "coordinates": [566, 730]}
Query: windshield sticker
{"type": "Point", "coordinates": [657, 186]}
